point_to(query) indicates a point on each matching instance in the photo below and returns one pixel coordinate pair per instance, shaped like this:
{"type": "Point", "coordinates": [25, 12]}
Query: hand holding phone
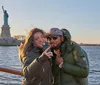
{"type": "Point", "coordinates": [47, 50]}
{"type": "Point", "coordinates": [45, 46]}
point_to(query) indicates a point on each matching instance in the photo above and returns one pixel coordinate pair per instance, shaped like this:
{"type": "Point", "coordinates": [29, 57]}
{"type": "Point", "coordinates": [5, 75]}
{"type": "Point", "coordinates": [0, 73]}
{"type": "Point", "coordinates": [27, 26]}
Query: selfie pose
{"type": "Point", "coordinates": [35, 59]}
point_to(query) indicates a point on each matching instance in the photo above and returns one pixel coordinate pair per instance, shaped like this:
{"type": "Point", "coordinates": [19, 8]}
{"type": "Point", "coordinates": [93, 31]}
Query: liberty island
{"type": "Point", "coordinates": [5, 38]}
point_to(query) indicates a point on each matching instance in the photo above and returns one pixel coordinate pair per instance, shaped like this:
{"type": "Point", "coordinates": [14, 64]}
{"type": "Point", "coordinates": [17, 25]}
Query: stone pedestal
{"type": "Point", "coordinates": [5, 31]}
{"type": "Point", "coordinates": [6, 39]}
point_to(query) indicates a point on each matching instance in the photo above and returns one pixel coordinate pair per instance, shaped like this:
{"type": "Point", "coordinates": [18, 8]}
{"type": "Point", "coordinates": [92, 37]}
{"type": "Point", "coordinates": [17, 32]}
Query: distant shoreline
{"type": "Point", "coordinates": [89, 44]}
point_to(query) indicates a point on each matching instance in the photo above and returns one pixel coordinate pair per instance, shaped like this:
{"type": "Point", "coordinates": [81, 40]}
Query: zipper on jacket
{"type": "Point", "coordinates": [43, 69]}
{"type": "Point", "coordinates": [40, 83]}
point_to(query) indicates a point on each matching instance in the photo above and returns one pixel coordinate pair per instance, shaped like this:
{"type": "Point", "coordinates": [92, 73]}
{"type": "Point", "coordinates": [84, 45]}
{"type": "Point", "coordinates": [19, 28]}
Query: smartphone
{"type": "Point", "coordinates": [45, 46]}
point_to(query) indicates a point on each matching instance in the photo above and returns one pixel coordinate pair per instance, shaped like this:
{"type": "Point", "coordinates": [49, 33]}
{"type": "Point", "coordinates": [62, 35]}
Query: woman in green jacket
{"type": "Point", "coordinates": [36, 63]}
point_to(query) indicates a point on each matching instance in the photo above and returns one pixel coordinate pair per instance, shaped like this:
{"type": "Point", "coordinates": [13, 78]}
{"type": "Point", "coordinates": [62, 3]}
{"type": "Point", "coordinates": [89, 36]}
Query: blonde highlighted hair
{"type": "Point", "coordinates": [28, 44]}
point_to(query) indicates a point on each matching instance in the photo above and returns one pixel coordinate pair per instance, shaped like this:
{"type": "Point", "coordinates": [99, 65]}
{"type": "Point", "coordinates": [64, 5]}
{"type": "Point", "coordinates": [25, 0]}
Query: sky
{"type": "Point", "coordinates": [80, 17]}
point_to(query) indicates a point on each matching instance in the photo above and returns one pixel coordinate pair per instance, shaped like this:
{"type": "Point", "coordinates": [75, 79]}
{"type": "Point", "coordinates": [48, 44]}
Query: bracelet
{"type": "Point", "coordinates": [60, 65]}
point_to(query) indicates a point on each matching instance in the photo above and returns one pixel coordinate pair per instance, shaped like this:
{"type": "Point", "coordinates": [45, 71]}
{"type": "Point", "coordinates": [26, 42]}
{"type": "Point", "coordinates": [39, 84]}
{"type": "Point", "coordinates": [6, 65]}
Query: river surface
{"type": "Point", "coordinates": [9, 58]}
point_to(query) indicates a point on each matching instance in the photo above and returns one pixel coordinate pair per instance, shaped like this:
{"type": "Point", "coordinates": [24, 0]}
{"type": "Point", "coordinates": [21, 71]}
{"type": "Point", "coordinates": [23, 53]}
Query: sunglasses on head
{"type": "Point", "coordinates": [54, 38]}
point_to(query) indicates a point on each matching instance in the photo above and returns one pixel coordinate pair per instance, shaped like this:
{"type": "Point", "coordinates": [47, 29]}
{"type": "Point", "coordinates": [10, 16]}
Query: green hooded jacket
{"type": "Point", "coordinates": [75, 66]}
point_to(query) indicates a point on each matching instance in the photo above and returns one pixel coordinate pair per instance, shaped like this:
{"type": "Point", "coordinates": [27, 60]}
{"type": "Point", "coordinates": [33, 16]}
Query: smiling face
{"type": "Point", "coordinates": [55, 41]}
{"type": "Point", "coordinates": [38, 39]}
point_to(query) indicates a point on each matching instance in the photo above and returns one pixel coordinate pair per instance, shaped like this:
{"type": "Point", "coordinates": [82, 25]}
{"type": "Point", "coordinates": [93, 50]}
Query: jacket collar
{"type": "Point", "coordinates": [36, 50]}
{"type": "Point", "coordinates": [66, 47]}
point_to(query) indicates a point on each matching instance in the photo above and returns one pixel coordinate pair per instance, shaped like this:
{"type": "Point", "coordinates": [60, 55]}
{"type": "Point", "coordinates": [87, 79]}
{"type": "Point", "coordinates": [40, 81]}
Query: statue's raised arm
{"type": "Point", "coordinates": [3, 8]}
{"type": "Point", "coordinates": [5, 16]}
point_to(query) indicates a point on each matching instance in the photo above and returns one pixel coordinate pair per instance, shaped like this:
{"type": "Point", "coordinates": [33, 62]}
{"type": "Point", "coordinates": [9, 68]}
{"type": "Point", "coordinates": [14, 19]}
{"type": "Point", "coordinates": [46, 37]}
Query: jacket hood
{"type": "Point", "coordinates": [67, 35]}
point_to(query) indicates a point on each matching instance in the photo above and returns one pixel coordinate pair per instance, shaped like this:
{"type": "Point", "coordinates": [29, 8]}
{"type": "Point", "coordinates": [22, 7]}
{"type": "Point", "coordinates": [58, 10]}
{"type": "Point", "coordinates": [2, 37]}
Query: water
{"type": "Point", "coordinates": [94, 60]}
{"type": "Point", "coordinates": [9, 57]}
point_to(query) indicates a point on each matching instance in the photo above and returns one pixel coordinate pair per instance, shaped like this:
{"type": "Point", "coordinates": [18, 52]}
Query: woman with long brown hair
{"type": "Point", "coordinates": [36, 64]}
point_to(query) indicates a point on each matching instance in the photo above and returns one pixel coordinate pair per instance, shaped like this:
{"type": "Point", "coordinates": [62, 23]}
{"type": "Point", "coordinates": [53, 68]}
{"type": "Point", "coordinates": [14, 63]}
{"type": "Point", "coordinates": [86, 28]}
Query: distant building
{"type": "Point", "coordinates": [19, 37]}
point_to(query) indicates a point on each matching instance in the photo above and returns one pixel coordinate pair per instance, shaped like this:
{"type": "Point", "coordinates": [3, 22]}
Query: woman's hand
{"type": "Point", "coordinates": [48, 53]}
{"type": "Point", "coordinates": [45, 55]}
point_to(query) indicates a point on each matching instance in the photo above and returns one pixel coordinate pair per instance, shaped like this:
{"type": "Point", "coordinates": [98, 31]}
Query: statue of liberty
{"type": "Point", "coordinates": [5, 17]}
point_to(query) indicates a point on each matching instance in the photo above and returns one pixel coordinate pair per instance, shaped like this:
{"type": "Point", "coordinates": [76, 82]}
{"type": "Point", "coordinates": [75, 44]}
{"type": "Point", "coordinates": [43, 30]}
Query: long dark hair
{"type": "Point", "coordinates": [28, 44]}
